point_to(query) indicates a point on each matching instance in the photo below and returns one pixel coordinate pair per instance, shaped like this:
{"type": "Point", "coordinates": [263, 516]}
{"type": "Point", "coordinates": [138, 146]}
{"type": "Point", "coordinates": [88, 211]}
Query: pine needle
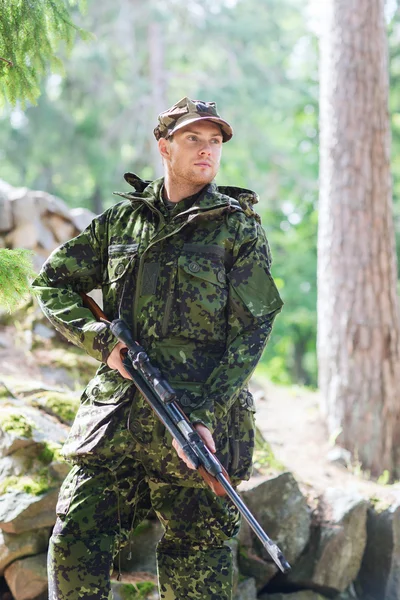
{"type": "Point", "coordinates": [31, 34]}
{"type": "Point", "coordinates": [16, 269]}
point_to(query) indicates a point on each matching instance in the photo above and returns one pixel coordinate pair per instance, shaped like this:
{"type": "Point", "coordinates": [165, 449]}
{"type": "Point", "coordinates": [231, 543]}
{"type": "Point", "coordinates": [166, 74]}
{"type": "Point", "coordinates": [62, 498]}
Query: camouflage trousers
{"type": "Point", "coordinates": [98, 508]}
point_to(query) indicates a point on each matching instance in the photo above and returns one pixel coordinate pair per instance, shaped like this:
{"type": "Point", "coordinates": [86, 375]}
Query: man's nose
{"type": "Point", "coordinates": [206, 148]}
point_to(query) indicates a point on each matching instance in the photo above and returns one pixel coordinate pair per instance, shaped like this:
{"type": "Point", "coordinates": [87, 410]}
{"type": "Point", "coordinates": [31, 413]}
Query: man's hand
{"type": "Point", "coordinates": [207, 438]}
{"type": "Point", "coordinates": [114, 361]}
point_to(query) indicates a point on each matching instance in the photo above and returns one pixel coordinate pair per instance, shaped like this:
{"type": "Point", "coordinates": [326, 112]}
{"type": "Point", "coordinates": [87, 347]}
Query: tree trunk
{"type": "Point", "coordinates": [97, 201]}
{"type": "Point", "coordinates": [358, 316]}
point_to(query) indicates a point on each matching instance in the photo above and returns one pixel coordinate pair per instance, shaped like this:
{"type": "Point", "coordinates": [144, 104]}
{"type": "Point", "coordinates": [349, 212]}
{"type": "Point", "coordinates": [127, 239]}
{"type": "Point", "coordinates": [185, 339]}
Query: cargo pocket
{"type": "Point", "coordinates": [242, 436]}
{"type": "Point", "coordinates": [202, 296]}
{"type": "Point", "coordinates": [99, 434]}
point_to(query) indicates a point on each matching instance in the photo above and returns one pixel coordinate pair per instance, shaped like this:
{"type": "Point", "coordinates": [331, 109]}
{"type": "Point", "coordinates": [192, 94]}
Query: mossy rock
{"type": "Point", "coordinates": [16, 424]}
{"type": "Point", "coordinates": [63, 405]}
{"type": "Point", "coordinates": [264, 460]}
{"type": "Point", "coordinates": [36, 484]}
{"type": "Point", "coordinates": [72, 359]}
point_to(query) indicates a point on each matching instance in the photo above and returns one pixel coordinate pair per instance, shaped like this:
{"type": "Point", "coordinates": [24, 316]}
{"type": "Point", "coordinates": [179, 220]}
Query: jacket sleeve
{"type": "Point", "coordinates": [76, 266]}
{"type": "Point", "coordinates": [254, 302]}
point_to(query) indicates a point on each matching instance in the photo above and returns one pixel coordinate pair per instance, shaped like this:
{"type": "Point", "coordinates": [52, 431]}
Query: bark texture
{"type": "Point", "coordinates": [358, 316]}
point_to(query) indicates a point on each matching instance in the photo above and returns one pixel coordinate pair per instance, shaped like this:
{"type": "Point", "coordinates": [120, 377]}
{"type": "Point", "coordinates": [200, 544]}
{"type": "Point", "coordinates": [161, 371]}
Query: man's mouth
{"type": "Point", "coordinates": [202, 164]}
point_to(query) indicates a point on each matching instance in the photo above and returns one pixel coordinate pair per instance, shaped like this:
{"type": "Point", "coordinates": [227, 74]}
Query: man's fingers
{"type": "Point", "coordinates": [206, 436]}
{"type": "Point", "coordinates": [182, 455]}
{"type": "Point", "coordinates": [114, 361]}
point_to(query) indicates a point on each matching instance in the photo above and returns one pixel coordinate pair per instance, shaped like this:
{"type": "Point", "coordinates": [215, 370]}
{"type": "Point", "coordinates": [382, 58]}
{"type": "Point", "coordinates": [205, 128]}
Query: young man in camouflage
{"type": "Point", "coordinates": [186, 264]}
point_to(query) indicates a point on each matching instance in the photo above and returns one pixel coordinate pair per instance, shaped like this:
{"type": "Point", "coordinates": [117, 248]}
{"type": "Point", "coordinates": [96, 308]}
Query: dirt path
{"type": "Point", "coordinates": [290, 420]}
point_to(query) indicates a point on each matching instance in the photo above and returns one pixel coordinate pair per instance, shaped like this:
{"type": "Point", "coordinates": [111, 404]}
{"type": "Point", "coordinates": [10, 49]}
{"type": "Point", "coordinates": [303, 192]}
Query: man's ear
{"type": "Point", "coordinates": [163, 146]}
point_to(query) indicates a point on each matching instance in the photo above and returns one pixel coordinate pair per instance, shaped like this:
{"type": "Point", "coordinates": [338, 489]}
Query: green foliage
{"type": "Point", "coordinates": [136, 591]}
{"type": "Point", "coordinates": [30, 33]}
{"type": "Point", "coordinates": [15, 270]}
{"type": "Point", "coordinates": [16, 424]}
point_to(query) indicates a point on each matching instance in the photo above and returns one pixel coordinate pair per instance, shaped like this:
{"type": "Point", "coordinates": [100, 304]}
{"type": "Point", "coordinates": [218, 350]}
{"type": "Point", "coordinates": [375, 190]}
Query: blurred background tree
{"type": "Point", "coordinates": [259, 61]}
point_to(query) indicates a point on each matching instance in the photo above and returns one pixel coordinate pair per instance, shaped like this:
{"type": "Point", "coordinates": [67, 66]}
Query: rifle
{"type": "Point", "coordinates": [162, 399]}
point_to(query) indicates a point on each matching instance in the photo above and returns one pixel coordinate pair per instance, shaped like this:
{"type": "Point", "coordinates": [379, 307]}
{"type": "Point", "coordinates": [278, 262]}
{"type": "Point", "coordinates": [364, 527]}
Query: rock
{"type": "Point", "coordinates": [250, 564]}
{"type": "Point", "coordinates": [5, 189]}
{"type": "Point", "coordinates": [58, 376]}
{"type": "Point", "coordinates": [15, 465]}
{"type": "Point", "coordinates": [23, 207]}
{"type": "Point", "coordinates": [20, 511]}
{"type": "Point", "coordinates": [349, 594]}
{"type": "Point", "coordinates": [6, 218]}
{"type": "Point", "coordinates": [23, 236]}
{"type": "Point", "coordinates": [46, 203]}
{"type": "Point", "coordinates": [46, 240]}
{"type": "Point", "coordinates": [303, 595]}
{"type": "Point", "coordinates": [246, 590]}
{"type": "Point", "coordinates": [143, 547]}
{"type": "Point", "coordinates": [333, 556]}
{"type": "Point", "coordinates": [282, 511]}
{"type": "Point", "coordinates": [379, 576]}
{"type": "Point", "coordinates": [339, 456]}
{"type": "Point", "coordinates": [61, 228]}
{"type": "Point", "coordinates": [81, 217]}
{"type": "Point", "coordinates": [44, 331]}
{"type": "Point", "coordinates": [25, 544]}
{"type": "Point", "coordinates": [27, 577]}
{"type": "Point", "coordinates": [59, 470]}
{"type": "Point", "coordinates": [22, 426]}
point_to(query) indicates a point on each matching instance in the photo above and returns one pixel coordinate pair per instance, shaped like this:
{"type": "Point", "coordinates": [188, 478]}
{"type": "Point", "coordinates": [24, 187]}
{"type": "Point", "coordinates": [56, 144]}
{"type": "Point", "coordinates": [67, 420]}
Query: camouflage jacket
{"type": "Point", "coordinates": [193, 283]}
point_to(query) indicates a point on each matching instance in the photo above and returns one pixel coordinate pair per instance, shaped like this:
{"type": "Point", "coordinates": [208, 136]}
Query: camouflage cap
{"type": "Point", "coordinates": [188, 111]}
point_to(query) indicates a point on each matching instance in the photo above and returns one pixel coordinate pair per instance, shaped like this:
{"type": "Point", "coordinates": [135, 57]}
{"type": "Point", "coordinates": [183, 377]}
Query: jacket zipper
{"type": "Point", "coordinates": [235, 441]}
{"type": "Point", "coordinates": [168, 306]}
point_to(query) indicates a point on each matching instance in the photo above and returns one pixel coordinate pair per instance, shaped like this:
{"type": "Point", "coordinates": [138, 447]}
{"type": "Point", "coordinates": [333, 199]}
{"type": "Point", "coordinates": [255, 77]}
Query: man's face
{"type": "Point", "coordinates": [193, 154]}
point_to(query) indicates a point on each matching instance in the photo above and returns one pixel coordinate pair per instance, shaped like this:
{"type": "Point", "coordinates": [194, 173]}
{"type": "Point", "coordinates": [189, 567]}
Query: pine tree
{"type": "Point", "coordinates": [30, 34]}
{"type": "Point", "coordinates": [15, 271]}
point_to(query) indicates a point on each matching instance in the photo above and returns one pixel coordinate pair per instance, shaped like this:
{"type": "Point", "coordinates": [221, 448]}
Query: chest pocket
{"type": "Point", "coordinates": [202, 296]}
{"type": "Point", "coordinates": [120, 258]}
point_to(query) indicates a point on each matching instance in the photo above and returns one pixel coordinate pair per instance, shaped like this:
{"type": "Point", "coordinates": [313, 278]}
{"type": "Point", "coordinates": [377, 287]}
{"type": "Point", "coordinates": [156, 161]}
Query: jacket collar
{"type": "Point", "coordinates": [213, 197]}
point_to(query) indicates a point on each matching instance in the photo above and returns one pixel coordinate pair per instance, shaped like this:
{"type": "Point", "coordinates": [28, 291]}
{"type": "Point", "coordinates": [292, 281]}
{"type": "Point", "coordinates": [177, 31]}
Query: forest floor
{"type": "Point", "coordinates": [291, 421]}
{"type": "Point", "coordinates": [288, 417]}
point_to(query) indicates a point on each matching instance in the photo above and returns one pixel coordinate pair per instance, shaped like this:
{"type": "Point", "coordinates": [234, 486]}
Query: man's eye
{"type": "Point", "coordinates": [216, 141]}
{"type": "Point", "coordinates": [192, 138]}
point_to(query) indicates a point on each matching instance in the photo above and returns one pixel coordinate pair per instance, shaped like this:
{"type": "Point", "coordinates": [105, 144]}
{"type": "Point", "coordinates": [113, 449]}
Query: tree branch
{"type": "Point", "coordinates": [10, 64]}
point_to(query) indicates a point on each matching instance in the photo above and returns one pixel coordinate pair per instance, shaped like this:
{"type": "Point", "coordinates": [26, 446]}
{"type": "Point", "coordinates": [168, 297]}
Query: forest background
{"type": "Point", "coordinates": [259, 61]}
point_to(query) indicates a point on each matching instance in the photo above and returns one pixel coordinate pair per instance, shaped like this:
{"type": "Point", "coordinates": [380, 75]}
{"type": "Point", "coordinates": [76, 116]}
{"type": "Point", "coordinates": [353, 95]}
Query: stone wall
{"type": "Point", "coordinates": [340, 547]}
{"type": "Point", "coordinates": [37, 221]}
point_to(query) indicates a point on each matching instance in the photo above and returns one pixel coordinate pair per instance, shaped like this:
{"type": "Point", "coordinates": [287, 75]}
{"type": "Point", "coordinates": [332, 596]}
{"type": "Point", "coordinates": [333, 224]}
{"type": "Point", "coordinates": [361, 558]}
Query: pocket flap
{"type": "Point", "coordinates": [106, 388]}
{"type": "Point", "coordinates": [202, 267]}
{"type": "Point", "coordinates": [120, 258]}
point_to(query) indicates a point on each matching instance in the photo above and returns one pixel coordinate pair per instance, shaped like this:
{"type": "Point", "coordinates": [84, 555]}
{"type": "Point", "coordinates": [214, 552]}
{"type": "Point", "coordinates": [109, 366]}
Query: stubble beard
{"type": "Point", "coordinates": [194, 178]}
